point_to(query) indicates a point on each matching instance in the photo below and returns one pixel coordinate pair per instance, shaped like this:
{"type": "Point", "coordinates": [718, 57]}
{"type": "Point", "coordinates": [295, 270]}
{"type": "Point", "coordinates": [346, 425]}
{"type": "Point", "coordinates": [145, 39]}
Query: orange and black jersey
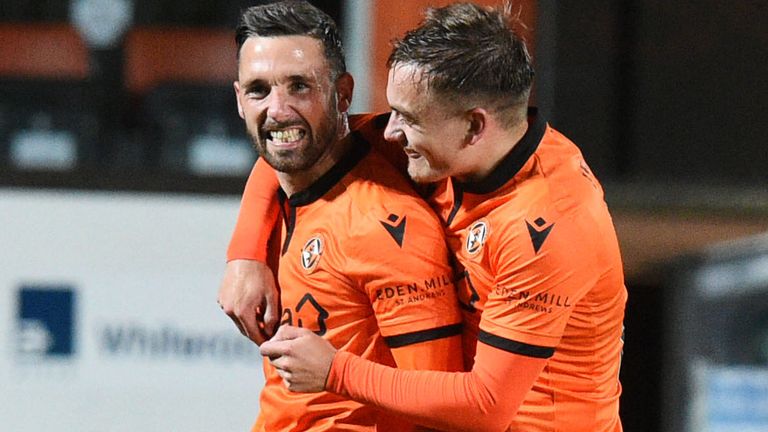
{"type": "Point", "coordinates": [543, 277]}
{"type": "Point", "coordinates": [364, 264]}
{"type": "Point", "coordinates": [543, 295]}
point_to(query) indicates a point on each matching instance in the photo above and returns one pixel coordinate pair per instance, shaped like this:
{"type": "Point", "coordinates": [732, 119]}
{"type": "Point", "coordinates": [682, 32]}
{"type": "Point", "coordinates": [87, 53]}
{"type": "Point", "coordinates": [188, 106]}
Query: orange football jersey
{"type": "Point", "coordinates": [544, 278]}
{"type": "Point", "coordinates": [364, 264]}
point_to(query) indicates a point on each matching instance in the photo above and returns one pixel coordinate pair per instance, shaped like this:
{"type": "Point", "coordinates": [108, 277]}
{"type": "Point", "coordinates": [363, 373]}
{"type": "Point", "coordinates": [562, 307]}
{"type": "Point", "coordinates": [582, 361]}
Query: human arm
{"type": "Point", "coordinates": [524, 314]}
{"type": "Point", "coordinates": [485, 398]}
{"type": "Point", "coordinates": [525, 309]}
{"type": "Point", "coordinates": [248, 294]}
{"type": "Point", "coordinates": [259, 209]}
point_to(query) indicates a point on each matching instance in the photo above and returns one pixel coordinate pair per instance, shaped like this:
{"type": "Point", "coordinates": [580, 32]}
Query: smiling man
{"type": "Point", "coordinates": [543, 293]}
{"type": "Point", "coordinates": [358, 251]}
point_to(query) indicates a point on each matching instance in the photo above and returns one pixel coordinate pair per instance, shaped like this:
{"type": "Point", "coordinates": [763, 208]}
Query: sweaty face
{"type": "Point", "coordinates": [287, 98]}
{"type": "Point", "coordinates": [431, 136]}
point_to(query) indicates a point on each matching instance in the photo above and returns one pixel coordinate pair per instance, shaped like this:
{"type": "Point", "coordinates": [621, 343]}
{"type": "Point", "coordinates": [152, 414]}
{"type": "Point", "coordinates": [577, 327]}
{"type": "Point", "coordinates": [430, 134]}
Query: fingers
{"type": "Point", "coordinates": [288, 332]}
{"type": "Point", "coordinates": [264, 324]}
{"type": "Point", "coordinates": [287, 380]}
{"type": "Point", "coordinates": [249, 324]}
{"type": "Point", "coordinates": [239, 325]}
{"type": "Point", "coordinates": [259, 335]}
{"type": "Point", "coordinates": [301, 358]}
{"type": "Point", "coordinates": [230, 313]}
{"type": "Point", "coordinates": [290, 381]}
{"type": "Point", "coordinates": [271, 314]}
{"type": "Point", "coordinates": [273, 349]}
{"type": "Point", "coordinates": [249, 296]}
{"type": "Point", "coordinates": [279, 347]}
{"type": "Point", "coordinates": [248, 318]}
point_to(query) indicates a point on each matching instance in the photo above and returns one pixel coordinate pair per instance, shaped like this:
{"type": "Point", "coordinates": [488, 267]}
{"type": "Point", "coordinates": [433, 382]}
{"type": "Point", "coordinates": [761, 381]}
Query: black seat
{"type": "Point", "coordinates": [61, 111]}
{"type": "Point", "coordinates": [195, 129]}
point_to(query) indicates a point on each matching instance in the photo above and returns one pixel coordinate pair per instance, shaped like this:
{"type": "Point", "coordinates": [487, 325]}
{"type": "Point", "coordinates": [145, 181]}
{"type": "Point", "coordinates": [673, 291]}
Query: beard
{"type": "Point", "coordinates": [314, 144]}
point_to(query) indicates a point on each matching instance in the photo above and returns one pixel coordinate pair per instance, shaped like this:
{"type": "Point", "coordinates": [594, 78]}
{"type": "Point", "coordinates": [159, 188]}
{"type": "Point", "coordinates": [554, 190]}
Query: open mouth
{"type": "Point", "coordinates": [285, 137]}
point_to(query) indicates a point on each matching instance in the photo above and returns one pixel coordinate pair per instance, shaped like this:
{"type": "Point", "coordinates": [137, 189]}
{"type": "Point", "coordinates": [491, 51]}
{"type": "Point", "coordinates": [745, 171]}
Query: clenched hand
{"type": "Point", "coordinates": [302, 358]}
{"type": "Point", "coordinates": [248, 295]}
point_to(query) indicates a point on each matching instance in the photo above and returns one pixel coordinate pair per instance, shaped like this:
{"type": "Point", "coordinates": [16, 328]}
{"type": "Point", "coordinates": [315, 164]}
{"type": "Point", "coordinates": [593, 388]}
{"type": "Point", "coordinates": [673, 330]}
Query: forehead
{"type": "Point", "coordinates": [276, 56]}
{"type": "Point", "coordinates": [408, 92]}
{"type": "Point", "coordinates": [404, 86]}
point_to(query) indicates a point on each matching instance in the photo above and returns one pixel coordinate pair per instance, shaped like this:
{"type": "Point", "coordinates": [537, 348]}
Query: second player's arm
{"type": "Point", "coordinates": [514, 343]}
{"type": "Point", "coordinates": [248, 294]}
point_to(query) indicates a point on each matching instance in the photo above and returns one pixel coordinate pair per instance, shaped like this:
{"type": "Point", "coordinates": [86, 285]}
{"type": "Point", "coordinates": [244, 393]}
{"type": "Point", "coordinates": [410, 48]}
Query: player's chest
{"type": "Point", "coordinates": [471, 245]}
{"type": "Point", "coordinates": [315, 291]}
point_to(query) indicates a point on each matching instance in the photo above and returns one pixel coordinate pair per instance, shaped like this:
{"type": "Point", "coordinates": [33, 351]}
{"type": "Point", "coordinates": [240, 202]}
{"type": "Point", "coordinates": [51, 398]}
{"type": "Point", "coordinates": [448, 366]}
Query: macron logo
{"type": "Point", "coordinates": [538, 233]}
{"type": "Point", "coordinates": [395, 226]}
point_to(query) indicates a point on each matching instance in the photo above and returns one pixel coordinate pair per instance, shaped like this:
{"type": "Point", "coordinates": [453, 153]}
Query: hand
{"type": "Point", "coordinates": [302, 358]}
{"type": "Point", "coordinates": [248, 295]}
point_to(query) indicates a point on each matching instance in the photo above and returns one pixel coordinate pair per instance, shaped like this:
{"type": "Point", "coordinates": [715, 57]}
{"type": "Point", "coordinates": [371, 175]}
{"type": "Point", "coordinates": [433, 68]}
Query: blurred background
{"type": "Point", "coordinates": [122, 160]}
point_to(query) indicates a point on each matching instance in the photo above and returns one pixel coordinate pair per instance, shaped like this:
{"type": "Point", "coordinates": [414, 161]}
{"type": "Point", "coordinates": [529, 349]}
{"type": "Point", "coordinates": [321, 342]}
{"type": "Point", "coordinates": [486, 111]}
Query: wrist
{"type": "Point", "coordinates": [334, 382]}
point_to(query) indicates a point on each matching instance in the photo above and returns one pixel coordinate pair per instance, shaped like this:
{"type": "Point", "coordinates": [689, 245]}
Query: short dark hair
{"type": "Point", "coordinates": [469, 54]}
{"type": "Point", "coordinates": [293, 18]}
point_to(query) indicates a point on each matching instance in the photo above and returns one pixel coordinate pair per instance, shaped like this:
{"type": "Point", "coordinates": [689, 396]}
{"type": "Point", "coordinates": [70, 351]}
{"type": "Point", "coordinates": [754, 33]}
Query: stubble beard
{"type": "Point", "coordinates": [420, 172]}
{"type": "Point", "coordinates": [301, 158]}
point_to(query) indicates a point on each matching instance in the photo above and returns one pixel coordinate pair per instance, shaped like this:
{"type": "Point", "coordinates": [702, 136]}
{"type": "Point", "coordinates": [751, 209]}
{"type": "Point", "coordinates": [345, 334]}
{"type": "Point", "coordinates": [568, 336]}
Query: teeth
{"type": "Point", "coordinates": [285, 136]}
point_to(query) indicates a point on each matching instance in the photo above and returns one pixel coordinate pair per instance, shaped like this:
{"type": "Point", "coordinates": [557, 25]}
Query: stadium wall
{"type": "Point", "coordinates": [108, 314]}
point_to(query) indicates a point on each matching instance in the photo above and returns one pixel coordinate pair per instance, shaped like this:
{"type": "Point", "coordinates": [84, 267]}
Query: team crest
{"type": "Point", "coordinates": [476, 237]}
{"type": "Point", "coordinates": [311, 252]}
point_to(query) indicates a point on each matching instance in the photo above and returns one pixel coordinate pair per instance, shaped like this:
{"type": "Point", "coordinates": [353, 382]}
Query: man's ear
{"type": "Point", "coordinates": [236, 84]}
{"type": "Point", "coordinates": [477, 120]}
{"type": "Point", "coordinates": [345, 85]}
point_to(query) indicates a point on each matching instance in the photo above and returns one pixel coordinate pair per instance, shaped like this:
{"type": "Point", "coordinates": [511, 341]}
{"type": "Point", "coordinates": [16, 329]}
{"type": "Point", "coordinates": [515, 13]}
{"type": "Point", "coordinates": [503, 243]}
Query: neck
{"type": "Point", "coordinates": [295, 182]}
{"type": "Point", "coordinates": [498, 143]}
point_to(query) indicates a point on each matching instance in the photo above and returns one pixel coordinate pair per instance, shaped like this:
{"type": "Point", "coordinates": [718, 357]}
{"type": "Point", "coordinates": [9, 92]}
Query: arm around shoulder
{"type": "Point", "coordinates": [259, 210]}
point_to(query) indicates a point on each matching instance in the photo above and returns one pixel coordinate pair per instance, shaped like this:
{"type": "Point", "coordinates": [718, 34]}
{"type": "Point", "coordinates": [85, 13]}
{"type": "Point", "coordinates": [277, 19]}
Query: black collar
{"type": "Point", "coordinates": [357, 151]}
{"type": "Point", "coordinates": [513, 161]}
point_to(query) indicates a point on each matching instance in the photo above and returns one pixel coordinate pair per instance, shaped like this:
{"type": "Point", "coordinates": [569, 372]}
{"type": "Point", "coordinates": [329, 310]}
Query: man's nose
{"type": "Point", "coordinates": [393, 132]}
{"type": "Point", "coordinates": [278, 104]}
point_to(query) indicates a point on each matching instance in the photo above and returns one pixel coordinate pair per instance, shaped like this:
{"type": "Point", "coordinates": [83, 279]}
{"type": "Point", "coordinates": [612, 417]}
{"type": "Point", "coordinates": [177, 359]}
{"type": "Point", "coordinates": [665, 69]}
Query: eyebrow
{"type": "Point", "coordinates": [299, 77]}
{"type": "Point", "coordinates": [257, 82]}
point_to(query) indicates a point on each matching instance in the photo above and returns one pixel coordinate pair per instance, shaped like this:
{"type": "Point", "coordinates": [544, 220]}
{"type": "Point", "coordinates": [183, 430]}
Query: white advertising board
{"type": "Point", "coordinates": [108, 315]}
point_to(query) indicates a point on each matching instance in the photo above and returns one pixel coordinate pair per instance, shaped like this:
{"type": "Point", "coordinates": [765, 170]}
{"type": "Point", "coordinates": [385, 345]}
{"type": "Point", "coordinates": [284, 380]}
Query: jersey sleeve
{"type": "Point", "coordinates": [259, 210]}
{"type": "Point", "coordinates": [486, 398]}
{"type": "Point", "coordinates": [543, 267]}
{"type": "Point", "coordinates": [402, 264]}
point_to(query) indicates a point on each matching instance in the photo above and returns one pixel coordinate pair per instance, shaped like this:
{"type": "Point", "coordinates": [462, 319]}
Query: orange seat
{"type": "Point", "coordinates": [183, 55]}
{"type": "Point", "coordinates": [42, 50]}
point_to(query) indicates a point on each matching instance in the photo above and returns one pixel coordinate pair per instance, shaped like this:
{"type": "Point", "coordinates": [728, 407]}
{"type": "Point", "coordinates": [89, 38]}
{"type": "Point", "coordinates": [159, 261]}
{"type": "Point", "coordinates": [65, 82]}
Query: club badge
{"type": "Point", "coordinates": [311, 252]}
{"type": "Point", "coordinates": [476, 237]}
